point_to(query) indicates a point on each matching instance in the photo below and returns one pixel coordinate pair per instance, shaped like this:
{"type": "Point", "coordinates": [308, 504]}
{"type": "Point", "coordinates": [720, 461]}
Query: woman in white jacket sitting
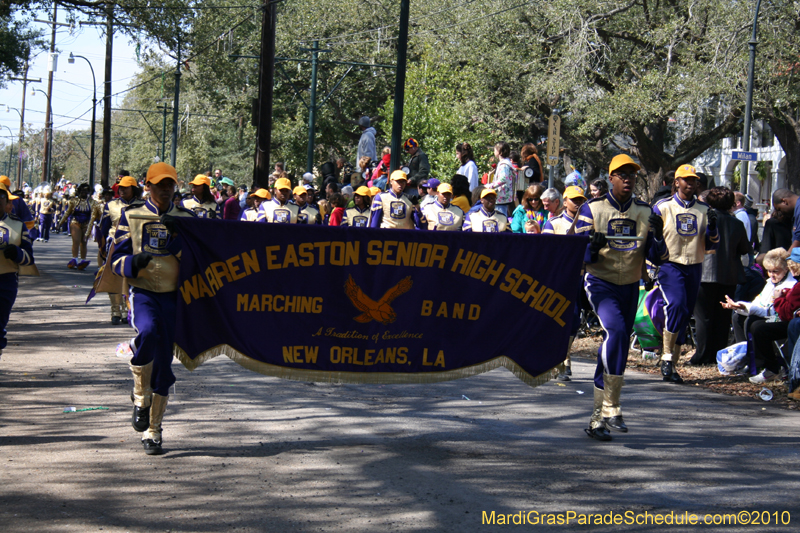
{"type": "Point", "coordinates": [758, 318]}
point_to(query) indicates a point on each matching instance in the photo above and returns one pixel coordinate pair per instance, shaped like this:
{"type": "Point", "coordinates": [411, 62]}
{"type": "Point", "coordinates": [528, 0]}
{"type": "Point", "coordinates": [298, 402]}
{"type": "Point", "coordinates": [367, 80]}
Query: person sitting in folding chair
{"type": "Point", "coordinates": [758, 319]}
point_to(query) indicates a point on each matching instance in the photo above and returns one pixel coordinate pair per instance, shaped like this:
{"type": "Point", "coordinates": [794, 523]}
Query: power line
{"type": "Point", "coordinates": [194, 55]}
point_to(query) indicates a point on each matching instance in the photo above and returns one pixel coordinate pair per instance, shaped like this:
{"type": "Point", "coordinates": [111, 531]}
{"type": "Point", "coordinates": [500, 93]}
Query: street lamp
{"type": "Point", "coordinates": [71, 60]}
{"type": "Point", "coordinates": [49, 145]}
{"type": "Point", "coordinates": [748, 106]}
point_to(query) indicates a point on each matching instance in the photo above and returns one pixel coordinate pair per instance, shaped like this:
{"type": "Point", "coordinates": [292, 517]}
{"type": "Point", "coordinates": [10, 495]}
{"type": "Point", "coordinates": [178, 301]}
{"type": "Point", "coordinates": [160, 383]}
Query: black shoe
{"type": "Point", "coordinates": [616, 423]}
{"type": "Point", "coordinates": [568, 371]}
{"type": "Point", "coordinates": [600, 433]}
{"type": "Point", "coordinates": [116, 320]}
{"type": "Point", "coordinates": [140, 419]}
{"type": "Point", "coordinates": [668, 372]}
{"type": "Point", "coordinates": [563, 377]}
{"type": "Point", "coordinates": [152, 447]}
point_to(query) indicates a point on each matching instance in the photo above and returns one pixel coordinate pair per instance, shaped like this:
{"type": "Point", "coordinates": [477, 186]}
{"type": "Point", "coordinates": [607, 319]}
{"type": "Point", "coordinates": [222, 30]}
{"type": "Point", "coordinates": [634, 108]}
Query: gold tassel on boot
{"type": "Point", "coordinates": [669, 358]}
{"type": "Point", "coordinates": [597, 426]}
{"type": "Point", "coordinates": [151, 440]}
{"type": "Point", "coordinates": [612, 412]}
{"type": "Point", "coordinates": [141, 396]}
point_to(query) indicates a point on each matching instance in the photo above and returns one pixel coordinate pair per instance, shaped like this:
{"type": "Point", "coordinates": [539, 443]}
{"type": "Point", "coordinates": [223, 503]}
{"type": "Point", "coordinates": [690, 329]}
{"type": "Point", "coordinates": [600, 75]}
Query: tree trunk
{"type": "Point", "coordinates": [649, 148]}
{"type": "Point", "coordinates": [787, 130]}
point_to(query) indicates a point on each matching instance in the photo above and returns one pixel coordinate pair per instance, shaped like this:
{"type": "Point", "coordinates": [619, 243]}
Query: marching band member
{"type": "Point", "coordinates": [358, 215]}
{"type": "Point", "coordinates": [614, 268]}
{"type": "Point", "coordinates": [441, 214]}
{"type": "Point", "coordinates": [147, 254]}
{"type": "Point", "coordinates": [79, 213]}
{"type": "Point", "coordinates": [202, 201]}
{"type": "Point", "coordinates": [690, 228]}
{"type": "Point", "coordinates": [393, 210]}
{"type": "Point", "coordinates": [279, 210]}
{"type": "Point", "coordinates": [19, 206]}
{"type": "Point", "coordinates": [129, 195]}
{"type": "Point", "coordinates": [561, 225]}
{"type": "Point", "coordinates": [486, 219]}
{"type": "Point", "coordinates": [306, 214]}
{"type": "Point", "coordinates": [251, 213]}
{"type": "Point", "coordinates": [17, 250]}
{"type": "Point", "coordinates": [46, 209]}
{"type": "Point", "coordinates": [59, 211]}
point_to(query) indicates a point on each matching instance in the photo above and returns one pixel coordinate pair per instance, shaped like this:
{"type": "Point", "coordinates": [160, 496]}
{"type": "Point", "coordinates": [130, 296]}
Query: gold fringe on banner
{"type": "Point", "coordinates": [383, 378]}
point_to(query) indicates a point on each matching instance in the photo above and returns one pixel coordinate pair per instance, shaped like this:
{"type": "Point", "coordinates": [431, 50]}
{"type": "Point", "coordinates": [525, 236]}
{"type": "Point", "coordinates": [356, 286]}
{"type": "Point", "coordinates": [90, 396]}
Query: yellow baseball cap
{"type": "Point", "coordinates": [5, 180]}
{"type": "Point", "coordinates": [398, 175]}
{"type": "Point", "coordinates": [487, 192]}
{"type": "Point", "coordinates": [685, 171]}
{"type": "Point", "coordinates": [300, 190]}
{"type": "Point", "coordinates": [4, 188]}
{"type": "Point", "coordinates": [160, 171]}
{"type": "Point", "coordinates": [201, 179]}
{"type": "Point", "coordinates": [128, 181]}
{"type": "Point", "coordinates": [283, 183]}
{"type": "Point", "coordinates": [363, 191]}
{"type": "Point", "coordinates": [620, 161]}
{"type": "Point", "coordinates": [374, 191]}
{"type": "Point", "coordinates": [574, 192]}
{"type": "Point", "coordinates": [262, 193]}
{"type": "Point", "coordinates": [445, 187]}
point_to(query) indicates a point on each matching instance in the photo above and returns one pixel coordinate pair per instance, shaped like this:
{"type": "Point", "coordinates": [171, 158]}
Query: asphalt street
{"type": "Point", "coordinates": [251, 453]}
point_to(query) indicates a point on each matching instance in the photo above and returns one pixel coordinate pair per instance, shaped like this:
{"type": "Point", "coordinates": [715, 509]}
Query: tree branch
{"type": "Point", "coordinates": [695, 145]}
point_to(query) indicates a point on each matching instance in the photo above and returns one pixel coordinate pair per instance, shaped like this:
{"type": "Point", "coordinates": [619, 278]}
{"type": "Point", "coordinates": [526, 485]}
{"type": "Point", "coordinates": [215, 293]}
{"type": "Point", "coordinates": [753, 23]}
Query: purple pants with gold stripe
{"type": "Point", "coordinates": [615, 306]}
{"type": "Point", "coordinates": [153, 317]}
{"type": "Point", "coordinates": [679, 285]}
{"type": "Point", "coordinates": [8, 295]}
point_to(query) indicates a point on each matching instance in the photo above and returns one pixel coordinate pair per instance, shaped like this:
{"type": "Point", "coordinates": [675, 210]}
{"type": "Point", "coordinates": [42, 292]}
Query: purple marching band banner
{"type": "Point", "coordinates": [361, 305]}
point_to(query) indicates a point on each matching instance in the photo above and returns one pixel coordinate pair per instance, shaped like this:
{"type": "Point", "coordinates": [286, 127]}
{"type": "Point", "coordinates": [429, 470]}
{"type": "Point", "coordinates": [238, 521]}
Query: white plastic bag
{"type": "Point", "coordinates": [732, 359]}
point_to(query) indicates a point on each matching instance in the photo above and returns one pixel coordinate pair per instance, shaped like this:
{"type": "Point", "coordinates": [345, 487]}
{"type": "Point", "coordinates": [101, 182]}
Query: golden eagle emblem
{"type": "Point", "coordinates": [371, 310]}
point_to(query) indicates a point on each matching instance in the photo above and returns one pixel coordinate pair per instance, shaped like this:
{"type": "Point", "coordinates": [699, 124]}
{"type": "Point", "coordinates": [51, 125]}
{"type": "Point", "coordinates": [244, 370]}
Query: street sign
{"type": "Point", "coordinates": [744, 156]}
{"type": "Point", "coordinates": [553, 133]}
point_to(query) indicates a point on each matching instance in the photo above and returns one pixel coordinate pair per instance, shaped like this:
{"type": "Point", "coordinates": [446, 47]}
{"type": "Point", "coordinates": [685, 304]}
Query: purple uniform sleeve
{"type": "Point", "coordinates": [25, 249]}
{"type": "Point", "coordinates": [377, 212]}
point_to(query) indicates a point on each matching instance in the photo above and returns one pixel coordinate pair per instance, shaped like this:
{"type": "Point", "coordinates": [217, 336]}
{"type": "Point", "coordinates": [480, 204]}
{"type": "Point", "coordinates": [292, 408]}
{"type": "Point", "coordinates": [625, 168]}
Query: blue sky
{"type": "Point", "coordinates": [72, 83]}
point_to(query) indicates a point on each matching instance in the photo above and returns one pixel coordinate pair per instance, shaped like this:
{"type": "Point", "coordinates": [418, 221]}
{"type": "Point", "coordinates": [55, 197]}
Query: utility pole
{"type": "Point", "coordinates": [174, 151]}
{"type": "Point", "coordinates": [312, 108]}
{"type": "Point", "coordinates": [52, 64]}
{"type": "Point", "coordinates": [20, 168]}
{"type": "Point", "coordinates": [400, 85]}
{"type": "Point", "coordinates": [266, 78]}
{"type": "Point", "coordinates": [24, 79]}
{"type": "Point", "coordinates": [105, 158]}
{"type": "Point", "coordinates": [163, 132]}
{"type": "Point", "coordinates": [106, 151]}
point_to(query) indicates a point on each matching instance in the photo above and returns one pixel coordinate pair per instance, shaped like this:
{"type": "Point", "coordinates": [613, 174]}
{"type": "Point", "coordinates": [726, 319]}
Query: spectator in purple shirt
{"type": "Point", "coordinates": [231, 210]}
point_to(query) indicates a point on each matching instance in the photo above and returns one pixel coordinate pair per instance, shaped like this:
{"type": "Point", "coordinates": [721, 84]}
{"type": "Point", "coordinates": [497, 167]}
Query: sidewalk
{"type": "Point", "coordinates": [250, 453]}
